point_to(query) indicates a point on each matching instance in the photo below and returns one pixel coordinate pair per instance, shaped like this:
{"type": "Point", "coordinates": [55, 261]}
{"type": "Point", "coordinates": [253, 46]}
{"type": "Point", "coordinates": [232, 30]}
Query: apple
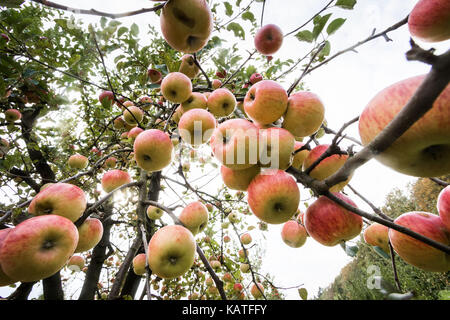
{"type": "Point", "coordinates": [139, 262]}
{"type": "Point", "coordinates": [256, 77]}
{"type": "Point", "coordinates": [188, 66]}
{"type": "Point", "coordinates": [416, 252]}
{"type": "Point", "coordinates": [293, 234]}
{"type": "Point", "coordinates": [304, 114]}
{"type": "Point", "coordinates": [196, 100]}
{"type": "Point", "coordinates": [239, 179]}
{"type": "Point", "coordinates": [273, 196]}
{"type": "Point", "coordinates": [133, 133]}
{"type": "Point", "coordinates": [327, 166]}
{"type": "Point", "coordinates": [244, 267]}
{"type": "Point", "coordinates": [209, 281]}
{"type": "Point", "coordinates": [133, 115]}
{"type": "Point", "coordinates": [424, 149]}
{"type": "Point", "coordinates": [443, 206]}
{"type": "Point", "coordinates": [113, 179]}
{"type": "Point", "coordinates": [12, 115]}
{"type": "Point", "coordinates": [153, 150]}
{"type": "Point", "coordinates": [235, 144]}
{"type": "Point", "coordinates": [265, 102]}
{"type": "Point", "coordinates": [246, 238]}
{"type": "Point", "coordinates": [227, 277]}
{"type": "Point", "coordinates": [216, 84]}
{"type": "Point", "coordinates": [238, 287]}
{"type": "Point", "coordinates": [194, 217]}
{"type": "Point", "coordinates": [329, 223]}
{"type": "Point", "coordinates": [4, 37]}
{"type": "Point", "coordinates": [90, 233]}
{"type": "Point", "coordinates": [76, 263]}
{"type": "Point", "coordinates": [377, 235]}
{"type": "Point", "coordinates": [177, 114]}
{"type": "Point", "coordinates": [269, 58]}
{"type": "Point", "coordinates": [276, 146]}
{"type": "Point", "coordinates": [77, 161]}
{"type": "Point", "coordinates": [106, 99]}
{"type": "Point", "coordinates": [110, 162]}
{"type": "Point", "coordinates": [221, 102]}
{"type": "Point", "coordinates": [119, 123]}
{"type": "Point", "coordinates": [4, 279]}
{"type": "Point", "coordinates": [154, 75]}
{"type": "Point", "coordinates": [186, 24]}
{"type": "Point", "coordinates": [268, 39]}
{"type": "Point", "coordinates": [171, 251]}
{"type": "Point", "coordinates": [226, 239]}
{"type": "Point", "coordinates": [38, 247]}
{"type": "Point", "coordinates": [196, 126]}
{"type": "Point", "coordinates": [62, 199]}
{"type": "Point", "coordinates": [299, 157]}
{"type": "Point", "coordinates": [429, 20]}
{"type": "Point", "coordinates": [4, 147]}
{"type": "Point", "coordinates": [176, 87]}
{"type": "Point", "coordinates": [215, 264]}
{"type": "Point", "coordinates": [154, 213]}
{"type": "Point", "coordinates": [257, 290]}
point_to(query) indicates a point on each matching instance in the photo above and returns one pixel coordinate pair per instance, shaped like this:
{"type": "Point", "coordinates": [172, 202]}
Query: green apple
{"type": "Point", "coordinates": [188, 66]}
{"type": "Point", "coordinates": [154, 213]}
{"type": "Point", "coordinates": [78, 161]}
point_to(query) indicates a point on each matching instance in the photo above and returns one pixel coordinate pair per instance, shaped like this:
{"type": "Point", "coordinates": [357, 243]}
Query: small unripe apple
{"type": "Point", "coordinates": [154, 213]}
{"type": "Point", "coordinates": [12, 115]}
{"type": "Point", "coordinates": [257, 290]}
{"type": "Point", "coordinates": [246, 238]}
{"type": "Point", "coordinates": [139, 262]}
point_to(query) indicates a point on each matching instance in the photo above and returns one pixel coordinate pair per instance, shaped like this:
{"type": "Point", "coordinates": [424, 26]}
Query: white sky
{"type": "Point", "coordinates": [345, 86]}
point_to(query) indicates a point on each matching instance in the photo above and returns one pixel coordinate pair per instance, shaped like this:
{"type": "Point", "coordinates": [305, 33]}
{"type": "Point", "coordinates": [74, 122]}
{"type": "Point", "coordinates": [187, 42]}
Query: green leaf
{"type": "Point", "coordinates": [121, 31]}
{"type": "Point", "coordinates": [381, 252]}
{"type": "Point", "coordinates": [325, 50]}
{"type": "Point", "coordinates": [247, 15]}
{"type": "Point", "coordinates": [237, 30]}
{"type": "Point", "coordinates": [303, 293]}
{"type": "Point", "coordinates": [228, 8]}
{"type": "Point", "coordinates": [134, 29]}
{"type": "Point", "coordinates": [305, 35]}
{"type": "Point", "coordinates": [114, 23]}
{"type": "Point", "coordinates": [11, 3]}
{"type": "Point", "coordinates": [444, 295]}
{"type": "Point", "coordinates": [103, 22]}
{"type": "Point", "coordinates": [400, 296]}
{"type": "Point", "coordinates": [319, 24]}
{"type": "Point", "coordinates": [334, 25]}
{"type": "Point", "coordinates": [346, 4]}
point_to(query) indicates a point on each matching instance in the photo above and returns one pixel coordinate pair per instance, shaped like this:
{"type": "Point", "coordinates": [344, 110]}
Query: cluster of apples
{"type": "Point", "coordinates": [411, 250]}
{"type": "Point", "coordinates": [40, 246]}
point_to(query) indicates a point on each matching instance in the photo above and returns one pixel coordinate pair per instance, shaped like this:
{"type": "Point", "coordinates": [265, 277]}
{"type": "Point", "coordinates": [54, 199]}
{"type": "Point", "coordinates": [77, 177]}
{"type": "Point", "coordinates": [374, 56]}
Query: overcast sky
{"type": "Point", "coordinates": [345, 86]}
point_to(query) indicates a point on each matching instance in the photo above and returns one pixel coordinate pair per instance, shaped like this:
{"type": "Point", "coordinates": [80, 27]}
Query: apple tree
{"type": "Point", "coordinates": [157, 161]}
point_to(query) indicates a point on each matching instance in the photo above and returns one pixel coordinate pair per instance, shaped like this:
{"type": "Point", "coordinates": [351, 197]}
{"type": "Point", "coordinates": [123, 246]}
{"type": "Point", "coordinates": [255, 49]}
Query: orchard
{"type": "Point", "coordinates": [153, 162]}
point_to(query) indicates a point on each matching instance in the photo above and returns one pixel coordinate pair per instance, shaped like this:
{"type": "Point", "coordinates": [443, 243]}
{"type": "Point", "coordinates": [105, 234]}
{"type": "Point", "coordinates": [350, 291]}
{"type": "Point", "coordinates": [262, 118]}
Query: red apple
{"type": "Point", "coordinates": [154, 75]}
{"type": "Point", "coordinates": [196, 126]}
{"type": "Point", "coordinates": [133, 133]}
{"type": "Point", "coordinates": [38, 247]}
{"type": "Point", "coordinates": [221, 102]}
{"type": "Point", "coordinates": [196, 100]}
{"type": "Point", "coordinates": [276, 146]}
{"type": "Point", "coordinates": [257, 290]}
{"type": "Point", "coordinates": [239, 179]}
{"type": "Point", "coordinates": [377, 235]}
{"type": "Point", "coordinates": [194, 217]}
{"type": "Point", "coordinates": [329, 223]}
{"type": "Point", "coordinates": [424, 149]}
{"type": "Point", "coordinates": [265, 102]}
{"type": "Point", "coordinates": [114, 178]}
{"type": "Point", "coordinates": [294, 234]}
{"type": "Point", "coordinates": [62, 199]}
{"type": "Point", "coordinates": [327, 166]}
{"type": "Point", "coordinates": [443, 206]}
{"type": "Point", "coordinates": [153, 150]}
{"type": "Point", "coordinates": [246, 238]}
{"type": "Point", "coordinates": [429, 20]}
{"type": "Point", "coordinates": [12, 115]}
{"type": "Point", "coordinates": [139, 262]}
{"type": "Point", "coordinates": [216, 83]}
{"type": "Point", "coordinates": [268, 39]}
{"type": "Point", "coordinates": [416, 252]}
{"type": "Point", "coordinates": [77, 161]}
{"type": "Point", "coordinates": [256, 77]}
{"type": "Point", "coordinates": [176, 87]}
{"type": "Point", "coordinates": [171, 251]}
{"type": "Point", "coordinates": [106, 98]}
{"type": "Point", "coordinates": [4, 279]}
{"type": "Point", "coordinates": [273, 196]}
{"type": "Point", "coordinates": [90, 233]}
{"type": "Point", "coordinates": [186, 24]}
{"type": "Point", "coordinates": [235, 144]}
{"type": "Point", "coordinates": [304, 114]}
